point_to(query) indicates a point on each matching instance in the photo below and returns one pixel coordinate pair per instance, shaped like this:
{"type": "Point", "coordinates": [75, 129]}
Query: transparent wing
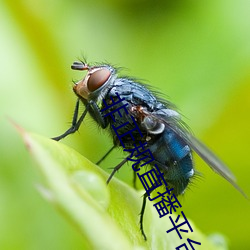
{"type": "Point", "coordinates": [175, 124]}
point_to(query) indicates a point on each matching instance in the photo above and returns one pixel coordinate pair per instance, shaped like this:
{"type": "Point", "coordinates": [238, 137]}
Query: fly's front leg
{"type": "Point", "coordinates": [96, 112]}
{"type": "Point", "coordinates": [75, 124]}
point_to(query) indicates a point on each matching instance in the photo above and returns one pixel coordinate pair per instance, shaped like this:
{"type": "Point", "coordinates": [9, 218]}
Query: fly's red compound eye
{"type": "Point", "coordinates": [97, 79]}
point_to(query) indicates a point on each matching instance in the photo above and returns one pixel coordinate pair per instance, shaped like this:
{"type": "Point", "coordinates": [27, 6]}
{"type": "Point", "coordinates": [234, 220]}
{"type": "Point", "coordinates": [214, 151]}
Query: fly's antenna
{"type": "Point", "coordinates": [80, 66]}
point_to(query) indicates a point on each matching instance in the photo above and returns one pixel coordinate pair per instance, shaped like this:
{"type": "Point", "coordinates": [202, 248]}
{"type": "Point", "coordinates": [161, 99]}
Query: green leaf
{"type": "Point", "coordinates": [106, 215]}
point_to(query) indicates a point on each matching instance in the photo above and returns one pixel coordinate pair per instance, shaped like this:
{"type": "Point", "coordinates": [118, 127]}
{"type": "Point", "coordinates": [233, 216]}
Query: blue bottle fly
{"type": "Point", "coordinates": [161, 127]}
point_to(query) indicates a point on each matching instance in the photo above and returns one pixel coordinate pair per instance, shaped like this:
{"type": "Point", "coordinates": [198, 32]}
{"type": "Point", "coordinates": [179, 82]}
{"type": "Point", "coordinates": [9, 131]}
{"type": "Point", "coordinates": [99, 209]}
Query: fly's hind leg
{"type": "Point", "coordinates": [142, 215]}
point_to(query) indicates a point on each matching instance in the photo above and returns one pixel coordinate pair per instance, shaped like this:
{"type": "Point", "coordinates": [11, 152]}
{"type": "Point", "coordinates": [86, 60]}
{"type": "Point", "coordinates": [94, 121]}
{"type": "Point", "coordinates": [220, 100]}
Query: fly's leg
{"type": "Point", "coordinates": [145, 196]}
{"type": "Point", "coordinates": [116, 169]}
{"type": "Point", "coordinates": [97, 114]}
{"type": "Point", "coordinates": [134, 180]}
{"type": "Point", "coordinates": [105, 155]}
{"type": "Point", "coordinates": [75, 124]}
{"type": "Point", "coordinates": [135, 175]}
{"type": "Point", "coordinates": [142, 214]}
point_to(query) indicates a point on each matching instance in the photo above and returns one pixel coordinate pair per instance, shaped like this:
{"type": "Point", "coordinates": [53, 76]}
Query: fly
{"type": "Point", "coordinates": [160, 124]}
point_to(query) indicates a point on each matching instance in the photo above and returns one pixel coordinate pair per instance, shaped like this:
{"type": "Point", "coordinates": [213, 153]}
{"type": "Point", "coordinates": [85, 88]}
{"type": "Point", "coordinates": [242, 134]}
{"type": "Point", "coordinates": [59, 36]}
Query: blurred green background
{"type": "Point", "coordinates": [195, 52]}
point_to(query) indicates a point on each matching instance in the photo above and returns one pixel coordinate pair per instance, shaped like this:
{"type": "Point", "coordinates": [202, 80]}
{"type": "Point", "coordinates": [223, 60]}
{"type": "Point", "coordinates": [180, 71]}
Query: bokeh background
{"type": "Point", "coordinates": [195, 52]}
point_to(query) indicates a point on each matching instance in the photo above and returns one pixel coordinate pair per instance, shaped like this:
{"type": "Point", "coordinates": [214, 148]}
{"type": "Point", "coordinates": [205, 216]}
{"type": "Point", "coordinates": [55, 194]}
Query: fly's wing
{"type": "Point", "coordinates": [212, 160]}
{"type": "Point", "coordinates": [174, 123]}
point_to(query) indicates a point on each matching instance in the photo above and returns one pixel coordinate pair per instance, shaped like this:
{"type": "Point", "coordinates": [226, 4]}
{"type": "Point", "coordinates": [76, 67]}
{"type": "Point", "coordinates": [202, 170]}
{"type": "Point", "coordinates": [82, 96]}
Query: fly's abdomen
{"type": "Point", "coordinates": [173, 157]}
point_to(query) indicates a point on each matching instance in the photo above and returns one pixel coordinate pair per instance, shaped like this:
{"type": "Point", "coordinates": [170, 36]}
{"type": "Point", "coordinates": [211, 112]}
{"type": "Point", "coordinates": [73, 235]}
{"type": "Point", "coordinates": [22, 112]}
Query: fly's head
{"type": "Point", "coordinates": [95, 81]}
